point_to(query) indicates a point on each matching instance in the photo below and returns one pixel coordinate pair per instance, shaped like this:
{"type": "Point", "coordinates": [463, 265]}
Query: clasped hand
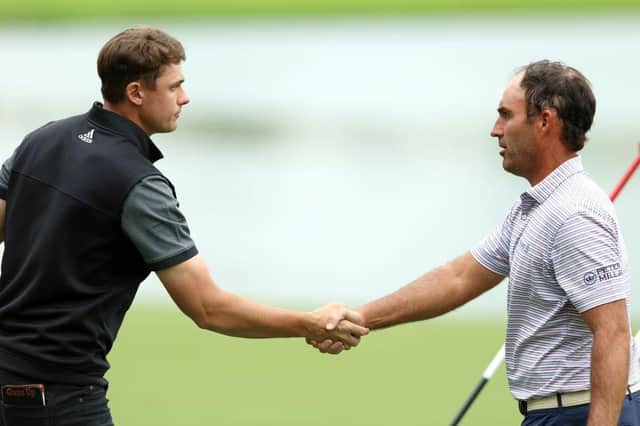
{"type": "Point", "coordinates": [338, 328]}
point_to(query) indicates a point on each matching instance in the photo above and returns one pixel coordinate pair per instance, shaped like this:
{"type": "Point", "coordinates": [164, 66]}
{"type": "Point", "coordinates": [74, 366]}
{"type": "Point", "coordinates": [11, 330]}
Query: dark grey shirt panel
{"type": "Point", "coordinates": [156, 226]}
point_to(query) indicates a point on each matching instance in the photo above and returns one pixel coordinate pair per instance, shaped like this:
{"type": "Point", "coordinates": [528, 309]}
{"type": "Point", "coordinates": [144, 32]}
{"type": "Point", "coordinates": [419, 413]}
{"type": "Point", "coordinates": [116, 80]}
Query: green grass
{"type": "Point", "coordinates": [165, 371]}
{"type": "Point", "coordinates": [80, 9]}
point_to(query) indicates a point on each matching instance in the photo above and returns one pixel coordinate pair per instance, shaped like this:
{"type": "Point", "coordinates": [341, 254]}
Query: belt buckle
{"type": "Point", "coordinates": [522, 407]}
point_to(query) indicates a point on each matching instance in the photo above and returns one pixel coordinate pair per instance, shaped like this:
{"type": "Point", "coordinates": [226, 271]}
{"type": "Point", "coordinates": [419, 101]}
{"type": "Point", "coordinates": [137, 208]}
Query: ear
{"type": "Point", "coordinates": [547, 120]}
{"type": "Point", "coordinates": [134, 93]}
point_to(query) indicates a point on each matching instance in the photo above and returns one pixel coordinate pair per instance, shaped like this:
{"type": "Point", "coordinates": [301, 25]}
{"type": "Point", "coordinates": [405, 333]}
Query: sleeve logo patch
{"type": "Point", "coordinates": [603, 274]}
{"type": "Point", "coordinates": [590, 278]}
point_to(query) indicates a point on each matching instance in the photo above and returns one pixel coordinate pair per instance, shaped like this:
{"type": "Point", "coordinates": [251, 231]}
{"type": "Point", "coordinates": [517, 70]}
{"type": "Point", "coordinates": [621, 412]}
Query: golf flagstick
{"type": "Point", "coordinates": [499, 357]}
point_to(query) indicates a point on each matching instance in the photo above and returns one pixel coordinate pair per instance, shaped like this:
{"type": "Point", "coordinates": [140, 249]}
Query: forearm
{"type": "Point", "coordinates": [609, 374]}
{"type": "Point", "coordinates": [435, 293]}
{"type": "Point", "coordinates": [213, 308]}
{"type": "Point", "coordinates": [428, 296]}
{"type": "Point", "coordinates": [234, 315]}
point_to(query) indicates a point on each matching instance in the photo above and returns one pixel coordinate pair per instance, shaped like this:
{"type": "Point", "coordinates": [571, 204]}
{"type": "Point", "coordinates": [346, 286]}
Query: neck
{"type": "Point", "coordinates": [126, 110]}
{"type": "Point", "coordinates": [549, 163]}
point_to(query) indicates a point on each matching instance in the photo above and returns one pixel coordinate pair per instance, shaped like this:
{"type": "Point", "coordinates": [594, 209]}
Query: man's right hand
{"type": "Point", "coordinates": [336, 323]}
{"type": "Point", "coordinates": [328, 346]}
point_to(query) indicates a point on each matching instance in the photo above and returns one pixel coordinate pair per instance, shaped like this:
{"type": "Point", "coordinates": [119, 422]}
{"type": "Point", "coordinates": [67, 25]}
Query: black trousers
{"type": "Point", "coordinates": [67, 405]}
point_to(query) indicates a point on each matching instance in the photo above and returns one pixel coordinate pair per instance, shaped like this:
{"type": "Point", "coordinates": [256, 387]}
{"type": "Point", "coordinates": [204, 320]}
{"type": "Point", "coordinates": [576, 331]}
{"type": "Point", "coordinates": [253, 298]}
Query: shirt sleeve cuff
{"type": "Point", "coordinates": [485, 260]}
{"type": "Point", "coordinates": [586, 303]}
{"type": "Point", "coordinates": [173, 260]}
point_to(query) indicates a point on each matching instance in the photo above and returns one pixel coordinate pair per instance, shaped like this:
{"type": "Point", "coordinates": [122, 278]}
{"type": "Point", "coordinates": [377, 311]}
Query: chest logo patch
{"type": "Point", "coordinates": [86, 137]}
{"type": "Point", "coordinates": [523, 246]}
{"type": "Point", "coordinates": [603, 274]}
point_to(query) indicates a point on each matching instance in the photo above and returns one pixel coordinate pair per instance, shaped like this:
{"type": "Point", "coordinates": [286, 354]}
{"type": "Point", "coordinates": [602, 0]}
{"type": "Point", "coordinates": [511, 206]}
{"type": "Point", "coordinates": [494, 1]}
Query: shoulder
{"type": "Point", "coordinates": [57, 126]}
{"type": "Point", "coordinates": [48, 133]}
{"type": "Point", "coordinates": [579, 197]}
{"type": "Point", "coordinates": [587, 219]}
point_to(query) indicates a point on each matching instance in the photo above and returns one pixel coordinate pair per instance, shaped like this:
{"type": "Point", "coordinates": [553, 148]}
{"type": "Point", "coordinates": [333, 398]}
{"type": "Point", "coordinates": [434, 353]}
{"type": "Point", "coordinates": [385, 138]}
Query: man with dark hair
{"type": "Point", "coordinates": [553, 85]}
{"type": "Point", "coordinates": [85, 217]}
{"type": "Point", "coordinates": [570, 356]}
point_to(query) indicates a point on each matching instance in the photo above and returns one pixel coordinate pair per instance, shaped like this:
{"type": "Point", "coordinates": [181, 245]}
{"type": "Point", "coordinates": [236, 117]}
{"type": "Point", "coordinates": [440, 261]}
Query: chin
{"type": "Point", "coordinates": [508, 167]}
{"type": "Point", "coordinates": [167, 129]}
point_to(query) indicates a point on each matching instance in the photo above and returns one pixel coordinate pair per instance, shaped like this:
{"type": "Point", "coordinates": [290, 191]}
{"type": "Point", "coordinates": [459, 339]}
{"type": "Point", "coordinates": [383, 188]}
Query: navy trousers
{"type": "Point", "coordinates": [66, 406]}
{"type": "Point", "coordinates": [577, 416]}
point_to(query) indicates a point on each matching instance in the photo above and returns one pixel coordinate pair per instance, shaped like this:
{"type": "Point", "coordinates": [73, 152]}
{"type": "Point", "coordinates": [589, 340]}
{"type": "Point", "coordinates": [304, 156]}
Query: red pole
{"type": "Point", "coordinates": [626, 177]}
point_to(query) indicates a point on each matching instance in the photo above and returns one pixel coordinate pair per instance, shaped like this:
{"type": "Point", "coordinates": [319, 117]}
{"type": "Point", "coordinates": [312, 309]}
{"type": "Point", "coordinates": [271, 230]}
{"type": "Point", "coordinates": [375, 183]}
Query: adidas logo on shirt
{"type": "Point", "coordinates": [86, 137]}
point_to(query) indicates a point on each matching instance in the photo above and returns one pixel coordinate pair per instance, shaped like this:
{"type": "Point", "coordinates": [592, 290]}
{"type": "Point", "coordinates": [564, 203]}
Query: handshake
{"type": "Point", "coordinates": [337, 328]}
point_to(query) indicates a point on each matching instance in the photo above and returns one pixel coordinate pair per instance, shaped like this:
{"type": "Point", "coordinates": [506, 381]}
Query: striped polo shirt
{"type": "Point", "coordinates": [564, 254]}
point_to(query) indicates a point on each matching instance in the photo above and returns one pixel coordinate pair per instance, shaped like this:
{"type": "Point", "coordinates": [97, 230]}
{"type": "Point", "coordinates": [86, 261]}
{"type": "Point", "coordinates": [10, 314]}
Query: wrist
{"type": "Point", "coordinates": [363, 313]}
{"type": "Point", "coordinates": [311, 325]}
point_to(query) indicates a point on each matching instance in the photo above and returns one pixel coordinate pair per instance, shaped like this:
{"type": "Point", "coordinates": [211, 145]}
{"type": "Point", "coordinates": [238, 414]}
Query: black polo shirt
{"type": "Point", "coordinates": [84, 204]}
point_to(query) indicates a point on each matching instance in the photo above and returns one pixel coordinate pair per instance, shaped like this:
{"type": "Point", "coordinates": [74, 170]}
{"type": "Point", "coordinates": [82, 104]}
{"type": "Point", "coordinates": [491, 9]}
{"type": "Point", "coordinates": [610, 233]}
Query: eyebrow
{"type": "Point", "coordinates": [503, 111]}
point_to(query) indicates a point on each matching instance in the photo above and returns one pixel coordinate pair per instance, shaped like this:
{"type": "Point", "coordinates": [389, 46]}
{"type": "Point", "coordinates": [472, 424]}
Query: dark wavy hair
{"type": "Point", "coordinates": [137, 53]}
{"type": "Point", "coordinates": [555, 85]}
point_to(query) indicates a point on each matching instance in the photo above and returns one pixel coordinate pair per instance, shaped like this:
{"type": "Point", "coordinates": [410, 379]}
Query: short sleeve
{"type": "Point", "coordinates": [5, 175]}
{"type": "Point", "coordinates": [154, 224]}
{"type": "Point", "coordinates": [493, 251]}
{"type": "Point", "coordinates": [588, 262]}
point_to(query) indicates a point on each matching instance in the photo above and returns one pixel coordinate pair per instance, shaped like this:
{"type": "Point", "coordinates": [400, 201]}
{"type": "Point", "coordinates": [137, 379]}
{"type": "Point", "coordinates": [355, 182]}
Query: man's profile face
{"type": "Point", "coordinates": [514, 131]}
{"type": "Point", "coordinates": [162, 104]}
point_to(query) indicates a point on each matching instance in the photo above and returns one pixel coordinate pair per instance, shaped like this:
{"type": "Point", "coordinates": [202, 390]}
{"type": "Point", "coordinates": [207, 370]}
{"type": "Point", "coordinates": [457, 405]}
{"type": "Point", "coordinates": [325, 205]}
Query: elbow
{"type": "Point", "coordinates": [205, 318]}
{"type": "Point", "coordinates": [201, 321]}
{"type": "Point", "coordinates": [202, 310]}
{"type": "Point", "coordinates": [618, 335]}
{"type": "Point", "coordinates": [622, 334]}
{"type": "Point", "coordinates": [210, 321]}
{"type": "Point", "coordinates": [212, 315]}
{"type": "Point", "coordinates": [199, 316]}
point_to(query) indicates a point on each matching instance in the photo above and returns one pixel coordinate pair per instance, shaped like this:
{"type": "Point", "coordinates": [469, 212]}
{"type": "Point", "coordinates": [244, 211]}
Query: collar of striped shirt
{"type": "Point", "coordinates": [549, 184]}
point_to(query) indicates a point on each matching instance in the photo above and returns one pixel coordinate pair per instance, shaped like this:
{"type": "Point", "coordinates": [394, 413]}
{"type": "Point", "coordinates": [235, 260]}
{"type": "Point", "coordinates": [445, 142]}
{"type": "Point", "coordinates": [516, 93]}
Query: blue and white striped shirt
{"type": "Point", "coordinates": [564, 254]}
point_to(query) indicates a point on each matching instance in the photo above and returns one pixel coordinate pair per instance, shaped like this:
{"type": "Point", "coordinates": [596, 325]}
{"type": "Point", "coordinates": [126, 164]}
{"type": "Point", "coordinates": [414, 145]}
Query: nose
{"type": "Point", "coordinates": [498, 130]}
{"type": "Point", "coordinates": [184, 98]}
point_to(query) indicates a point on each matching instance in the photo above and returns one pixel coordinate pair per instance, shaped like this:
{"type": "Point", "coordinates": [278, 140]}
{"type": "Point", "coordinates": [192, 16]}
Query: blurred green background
{"type": "Point", "coordinates": [329, 159]}
{"type": "Point", "coordinates": [166, 372]}
{"type": "Point", "coordinates": [77, 9]}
